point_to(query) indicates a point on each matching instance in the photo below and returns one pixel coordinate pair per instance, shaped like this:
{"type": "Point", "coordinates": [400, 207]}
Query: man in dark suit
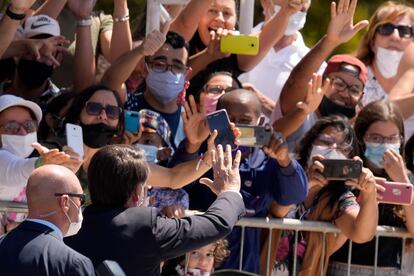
{"type": "Point", "coordinates": [140, 238]}
{"type": "Point", "coordinates": [36, 246]}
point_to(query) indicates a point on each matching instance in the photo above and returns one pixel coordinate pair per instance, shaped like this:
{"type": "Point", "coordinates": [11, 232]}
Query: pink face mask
{"type": "Point", "coordinates": [210, 102]}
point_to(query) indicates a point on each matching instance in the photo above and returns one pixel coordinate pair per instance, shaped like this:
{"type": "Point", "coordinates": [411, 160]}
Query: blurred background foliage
{"type": "Point", "coordinates": [318, 17]}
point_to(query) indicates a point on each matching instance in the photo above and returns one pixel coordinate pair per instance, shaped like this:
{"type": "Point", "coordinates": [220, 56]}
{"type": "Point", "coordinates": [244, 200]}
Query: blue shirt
{"type": "Point", "coordinates": [50, 225]}
{"type": "Point", "coordinates": [136, 102]}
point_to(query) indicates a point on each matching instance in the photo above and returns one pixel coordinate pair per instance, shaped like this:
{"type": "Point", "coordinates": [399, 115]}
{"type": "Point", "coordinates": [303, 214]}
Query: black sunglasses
{"type": "Point", "coordinates": [95, 109]}
{"type": "Point", "coordinates": [82, 197]}
{"type": "Point", "coordinates": [405, 31]}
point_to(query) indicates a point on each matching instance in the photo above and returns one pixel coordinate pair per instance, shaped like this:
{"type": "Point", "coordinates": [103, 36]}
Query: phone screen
{"type": "Point", "coordinates": [74, 138]}
{"type": "Point", "coordinates": [220, 121]}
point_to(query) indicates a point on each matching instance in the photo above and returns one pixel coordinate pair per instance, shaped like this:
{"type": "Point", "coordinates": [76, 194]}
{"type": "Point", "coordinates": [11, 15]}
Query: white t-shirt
{"type": "Point", "coordinates": [373, 91]}
{"type": "Point", "coordinates": [271, 73]}
{"type": "Point", "coordinates": [14, 172]}
{"type": "Point", "coordinates": [294, 139]}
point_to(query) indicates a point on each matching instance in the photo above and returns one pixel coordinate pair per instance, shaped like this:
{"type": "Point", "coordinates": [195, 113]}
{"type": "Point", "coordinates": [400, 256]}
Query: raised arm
{"type": "Point", "coordinates": [8, 25]}
{"type": "Point", "coordinates": [84, 61]}
{"type": "Point", "coordinates": [117, 41]}
{"type": "Point", "coordinates": [123, 67]}
{"type": "Point", "coordinates": [217, 221]}
{"type": "Point", "coordinates": [51, 8]}
{"type": "Point", "coordinates": [340, 30]}
{"type": "Point", "coordinates": [271, 33]}
{"type": "Point", "coordinates": [187, 21]}
{"type": "Point", "coordinates": [292, 121]}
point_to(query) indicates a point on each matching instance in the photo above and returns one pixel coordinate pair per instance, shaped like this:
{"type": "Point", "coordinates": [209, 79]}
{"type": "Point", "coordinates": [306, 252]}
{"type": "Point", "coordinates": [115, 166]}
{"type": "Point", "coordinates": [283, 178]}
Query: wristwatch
{"type": "Point", "coordinates": [14, 16]}
{"type": "Point", "coordinates": [85, 22]}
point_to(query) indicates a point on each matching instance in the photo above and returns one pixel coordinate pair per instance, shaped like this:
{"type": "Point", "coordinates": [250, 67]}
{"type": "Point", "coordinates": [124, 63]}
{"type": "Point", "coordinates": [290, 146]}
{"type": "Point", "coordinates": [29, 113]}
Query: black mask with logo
{"type": "Point", "coordinates": [97, 135]}
{"type": "Point", "coordinates": [328, 107]}
{"type": "Point", "coordinates": [32, 73]}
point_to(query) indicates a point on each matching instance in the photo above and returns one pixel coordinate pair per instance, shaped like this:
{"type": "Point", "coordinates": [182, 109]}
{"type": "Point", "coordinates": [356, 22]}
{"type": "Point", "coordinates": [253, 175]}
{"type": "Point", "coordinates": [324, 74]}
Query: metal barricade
{"type": "Point", "coordinates": [312, 226]}
{"type": "Point", "coordinates": [271, 224]}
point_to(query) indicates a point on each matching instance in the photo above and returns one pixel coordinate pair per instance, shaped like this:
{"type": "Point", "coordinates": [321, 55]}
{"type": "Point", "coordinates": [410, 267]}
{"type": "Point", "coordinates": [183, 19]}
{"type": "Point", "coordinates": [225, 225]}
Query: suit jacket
{"type": "Point", "coordinates": [36, 249]}
{"type": "Point", "coordinates": [140, 238]}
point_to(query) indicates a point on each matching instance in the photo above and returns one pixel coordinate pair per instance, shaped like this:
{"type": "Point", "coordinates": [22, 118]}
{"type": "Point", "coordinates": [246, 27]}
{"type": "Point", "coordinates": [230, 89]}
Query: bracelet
{"type": "Point", "coordinates": [85, 22]}
{"type": "Point", "coordinates": [202, 161]}
{"type": "Point", "coordinates": [123, 18]}
{"type": "Point", "coordinates": [39, 162]}
{"type": "Point", "coordinates": [14, 16]}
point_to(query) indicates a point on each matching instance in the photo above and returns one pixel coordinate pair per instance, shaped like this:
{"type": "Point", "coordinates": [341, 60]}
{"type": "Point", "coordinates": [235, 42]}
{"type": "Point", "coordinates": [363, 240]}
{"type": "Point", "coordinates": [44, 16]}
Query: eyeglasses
{"type": "Point", "coordinates": [13, 127]}
{"type": "Point", "coordinates": [95, 109]}
{"type": "Point", "coordinates": [82, 197]}
{"type": "Point", "coordinates": [340, 85]}
{"type": "Point", "coordinates": [379, 139]}
{"type": "Point", "coordinates": [217, 89]}
{"type": "Point", "coordinates": [160, 66]}
{"type": "Point", "coordinates": [331, 142]}
{"type": "Point", "coordinates": [403, 30]}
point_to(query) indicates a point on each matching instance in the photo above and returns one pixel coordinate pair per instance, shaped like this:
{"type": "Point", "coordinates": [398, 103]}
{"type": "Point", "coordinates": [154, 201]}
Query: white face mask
{"type": "Point", "coordinates": [388, 61]}
{"type": "Point", "coordinates": [191, 271]}
{"type": "Point", "coordinates": [296, 21]}
{"type": "Point", "coordinates": [150, 152]}
{"type": "Point", "coordinates": [74, 227]}
{"type": "Point", "coordinates": [20, 145]}
{"type": "Point", "coordinates": [326, 152]}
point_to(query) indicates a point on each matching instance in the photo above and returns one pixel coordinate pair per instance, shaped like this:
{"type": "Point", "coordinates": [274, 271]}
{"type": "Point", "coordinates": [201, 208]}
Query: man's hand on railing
{"type": "Point", "coordinates": [226, 171]}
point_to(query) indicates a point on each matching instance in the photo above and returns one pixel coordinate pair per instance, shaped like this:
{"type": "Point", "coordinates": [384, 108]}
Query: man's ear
{"type": "Point", "coordinates": [64, 203]}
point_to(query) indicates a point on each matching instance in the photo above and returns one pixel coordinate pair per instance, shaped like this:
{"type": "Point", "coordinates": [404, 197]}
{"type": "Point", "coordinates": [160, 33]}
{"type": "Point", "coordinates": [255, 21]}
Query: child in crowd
{"type": "Point", "coordinates": [155, 141]}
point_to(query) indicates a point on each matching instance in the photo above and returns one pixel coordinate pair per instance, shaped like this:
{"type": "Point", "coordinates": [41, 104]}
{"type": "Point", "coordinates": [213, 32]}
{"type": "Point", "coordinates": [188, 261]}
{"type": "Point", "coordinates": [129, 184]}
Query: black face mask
{"type": "Point", "coordinates": [328, 107]}
{"type": "Point", "coordinates": [97, 135]}
{"type": "Point", "coordinates": [32, 73]}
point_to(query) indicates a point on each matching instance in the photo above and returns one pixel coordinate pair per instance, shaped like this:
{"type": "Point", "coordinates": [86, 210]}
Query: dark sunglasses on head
{"type": "Point", "coordinates": [112, 111]}
{"type": "Point", "coordinates": [405, 31]}
{"type": "Point", "coordinates": [82, 197]}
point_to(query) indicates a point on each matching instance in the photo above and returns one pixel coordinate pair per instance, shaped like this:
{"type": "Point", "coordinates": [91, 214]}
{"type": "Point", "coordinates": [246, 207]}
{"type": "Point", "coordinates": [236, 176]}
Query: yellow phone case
{"type": "Point", "coordinates": [240, 44]}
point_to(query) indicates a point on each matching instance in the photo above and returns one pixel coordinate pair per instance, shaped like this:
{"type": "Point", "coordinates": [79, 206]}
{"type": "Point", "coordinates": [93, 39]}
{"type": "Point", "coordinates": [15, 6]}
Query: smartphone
{"type": "Point", "coordinates": [341, 169]}
{"type": "Point", "coordinates": [132, 123]}
{"type": "Point", "coordinates": [255, 136]}
{"type": "Point", "coordinates": [219, 120]}
{"type": "Point", "coordinates": [396, 193]}
{"type": "Point", "coordinates": [240, 44]}
{"type": "Point", "coordinates": [74, 138]}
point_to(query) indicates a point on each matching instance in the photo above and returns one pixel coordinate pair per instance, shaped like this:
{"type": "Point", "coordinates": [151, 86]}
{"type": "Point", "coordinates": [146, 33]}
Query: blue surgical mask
{"type": "Point", "coordinates": [375, 152]}
{"type": "Point", "coordinates": [150, 152]}
{"type": "Point", "coordinates": [165, 86]}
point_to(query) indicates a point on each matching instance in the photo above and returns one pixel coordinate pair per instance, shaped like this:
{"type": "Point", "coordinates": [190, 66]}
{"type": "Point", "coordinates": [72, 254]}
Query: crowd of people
{"type": "Point", "coordinates": [124, 196]}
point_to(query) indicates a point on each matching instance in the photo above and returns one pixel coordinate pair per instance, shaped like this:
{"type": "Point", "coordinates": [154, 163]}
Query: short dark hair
{"type": "Point", "coordinates": [114, 173]}
{"type": "Point", "coordinates": [176, 40]}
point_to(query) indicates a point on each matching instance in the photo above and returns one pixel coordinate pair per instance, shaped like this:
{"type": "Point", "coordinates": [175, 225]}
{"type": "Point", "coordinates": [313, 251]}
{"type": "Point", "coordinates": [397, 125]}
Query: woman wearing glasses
{"type": "Point", "coordinates": [332, 201]}
{"type": "Point", "coordinates": [389, 33]}
{"type": "Point", "coordinates": [19, 120]}
{"type": "Point", "coordinates": [98, 111]}
{"type": "Point", "coordinates": [380, 133]}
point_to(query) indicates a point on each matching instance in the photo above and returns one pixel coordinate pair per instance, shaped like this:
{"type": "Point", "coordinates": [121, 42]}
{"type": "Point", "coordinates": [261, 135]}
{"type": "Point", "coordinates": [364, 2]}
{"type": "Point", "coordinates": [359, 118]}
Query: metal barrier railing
{"type": "Point", "coordinates": [313, 226]}
{"type": "Point", "coordinates": [281, 224]}
{"type": "Point", "coordinates": [155, 13]}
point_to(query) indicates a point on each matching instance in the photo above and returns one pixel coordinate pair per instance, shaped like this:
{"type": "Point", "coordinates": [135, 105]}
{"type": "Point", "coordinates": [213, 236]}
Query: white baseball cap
{"type": "Point", "coordinates": [40, 24]}
{"type": "Point", "coordinates": [7, 101]}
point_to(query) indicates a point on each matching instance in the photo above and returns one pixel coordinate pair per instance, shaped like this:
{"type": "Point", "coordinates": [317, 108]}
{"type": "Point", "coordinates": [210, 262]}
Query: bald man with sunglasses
{"type": "Point", "coordinates": [35, 247]}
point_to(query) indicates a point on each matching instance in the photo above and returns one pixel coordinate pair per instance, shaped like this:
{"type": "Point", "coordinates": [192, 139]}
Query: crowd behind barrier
{"type": "Point", "coordinates": [298, 161]}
